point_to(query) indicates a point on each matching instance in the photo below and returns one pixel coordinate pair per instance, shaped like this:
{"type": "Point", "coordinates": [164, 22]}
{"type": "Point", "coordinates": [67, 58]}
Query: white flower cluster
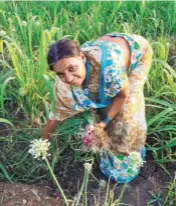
{"type": "Point", "coordinates": [39, 148]}
{"type": "Point", "coordinates": [88, 167]}
{"type": "Point", "coordinates": [136, 159]}
{"type": "Point", "coordinates": [102, 184]}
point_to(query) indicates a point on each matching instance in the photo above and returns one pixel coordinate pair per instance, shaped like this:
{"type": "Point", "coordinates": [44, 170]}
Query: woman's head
{"type": "Point", "coordinates": [65, 58]}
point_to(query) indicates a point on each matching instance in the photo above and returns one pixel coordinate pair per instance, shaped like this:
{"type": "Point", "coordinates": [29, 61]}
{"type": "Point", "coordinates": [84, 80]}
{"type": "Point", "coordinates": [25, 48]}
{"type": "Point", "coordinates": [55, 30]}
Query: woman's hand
{"type": "Point", "coordinates": [49, 128]}
{"type": "Point", "coordinates": [101, 125]}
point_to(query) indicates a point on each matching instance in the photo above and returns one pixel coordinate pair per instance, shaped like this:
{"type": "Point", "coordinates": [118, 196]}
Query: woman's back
{"type": "Point", "coordinates": [123, 44]}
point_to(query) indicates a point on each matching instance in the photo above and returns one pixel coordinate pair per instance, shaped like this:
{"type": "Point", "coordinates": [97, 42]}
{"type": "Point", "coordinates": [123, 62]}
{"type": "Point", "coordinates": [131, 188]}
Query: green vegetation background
{"type": "Point", "coordinates": [27, 29]}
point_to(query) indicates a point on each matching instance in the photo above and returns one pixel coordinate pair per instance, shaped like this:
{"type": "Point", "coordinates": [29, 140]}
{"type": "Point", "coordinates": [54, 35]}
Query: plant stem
{"type": "Point", "coordinates": [85, 187]}
{"type": "Point", "coordinates": [56, 181]}
{"type": "Point", "coordinates": [81, 190]}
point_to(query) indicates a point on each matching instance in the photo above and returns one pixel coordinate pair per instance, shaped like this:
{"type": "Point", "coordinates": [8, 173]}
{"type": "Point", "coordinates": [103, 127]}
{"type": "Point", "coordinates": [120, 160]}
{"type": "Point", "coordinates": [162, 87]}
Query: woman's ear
{"type": "Point", "coordinates": [83, 57]}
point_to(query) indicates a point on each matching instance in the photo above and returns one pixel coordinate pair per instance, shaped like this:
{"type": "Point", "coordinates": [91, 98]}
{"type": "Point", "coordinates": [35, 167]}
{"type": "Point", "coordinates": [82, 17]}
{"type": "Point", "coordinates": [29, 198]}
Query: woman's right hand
{"type": "Point", "coordinates": [101, 125]}
{"type": "Point", "coordinates": [49, 128]}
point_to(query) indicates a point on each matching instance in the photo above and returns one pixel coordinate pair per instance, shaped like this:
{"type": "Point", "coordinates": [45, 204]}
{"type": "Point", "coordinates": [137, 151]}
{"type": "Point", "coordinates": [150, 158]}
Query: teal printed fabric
{"type": "Point", "coordinates": [120, 168]}
{"type": "Point", "coordinates": [113, 75]}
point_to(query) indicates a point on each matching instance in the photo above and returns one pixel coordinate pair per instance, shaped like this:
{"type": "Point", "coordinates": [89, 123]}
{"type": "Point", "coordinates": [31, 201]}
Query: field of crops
{"type": "Point", "coordinates": [26, 31]}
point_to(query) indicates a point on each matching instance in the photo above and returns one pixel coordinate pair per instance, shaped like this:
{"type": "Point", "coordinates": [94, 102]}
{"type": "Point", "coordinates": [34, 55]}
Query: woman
{"type": "Point", "coordinates": [107, 73]}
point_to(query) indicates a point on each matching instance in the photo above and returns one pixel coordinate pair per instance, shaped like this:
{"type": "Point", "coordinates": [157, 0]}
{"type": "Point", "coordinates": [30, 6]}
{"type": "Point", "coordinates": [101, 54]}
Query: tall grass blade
{"type": "Point", "coordinates": [5, 121]}
{"type": "Point", "coordinates": [3, 92]}
{"type": "Point", "coordinates": [7, 176]}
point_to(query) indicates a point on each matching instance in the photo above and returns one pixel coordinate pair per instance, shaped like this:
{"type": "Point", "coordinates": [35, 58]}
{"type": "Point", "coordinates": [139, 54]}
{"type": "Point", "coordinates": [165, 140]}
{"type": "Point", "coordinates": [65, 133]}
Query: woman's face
{"type": "Point", "coordinates": [71, 70]}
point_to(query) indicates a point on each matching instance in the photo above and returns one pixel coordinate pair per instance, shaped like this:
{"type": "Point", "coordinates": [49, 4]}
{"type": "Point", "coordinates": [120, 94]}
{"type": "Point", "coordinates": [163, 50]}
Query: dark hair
{"type": "Point", "coordinates": [62, 49]}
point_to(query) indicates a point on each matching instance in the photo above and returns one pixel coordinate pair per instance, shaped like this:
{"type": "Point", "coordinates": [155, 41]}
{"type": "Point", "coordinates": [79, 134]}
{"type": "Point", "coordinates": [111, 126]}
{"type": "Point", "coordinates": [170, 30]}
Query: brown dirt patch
{"type": "Point", "coordinates": [26, 195]}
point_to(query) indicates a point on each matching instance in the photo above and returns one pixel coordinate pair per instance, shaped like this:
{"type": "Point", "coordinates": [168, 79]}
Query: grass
{"type": "Point", "coordinates": [170, 197]}
{"type": "Point", "coordinates": [27, 29]}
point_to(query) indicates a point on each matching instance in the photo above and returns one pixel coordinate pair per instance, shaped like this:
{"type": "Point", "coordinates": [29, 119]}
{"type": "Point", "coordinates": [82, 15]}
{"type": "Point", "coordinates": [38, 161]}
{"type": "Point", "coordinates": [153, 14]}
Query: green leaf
{"type": "Point", "coordinates": [5, 172]}
{"type": "Point", "coordinates": [171, 143]}
{"type": "Point", "coordinates": [2, 92]}
{"type": "Point", "coordinates": [50, 90]}
{"type": "Point", "coordinates": [158, 116]}
{"type": "Point", "coordinates": [2, 120]}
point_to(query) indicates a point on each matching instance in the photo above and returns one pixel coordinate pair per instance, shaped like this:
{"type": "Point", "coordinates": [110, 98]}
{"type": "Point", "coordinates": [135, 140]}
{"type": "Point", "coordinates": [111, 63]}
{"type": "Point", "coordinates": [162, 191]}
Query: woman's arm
{"type": "Point", "coordinates": [49, 128]}
{"type": "Point", "coordinates": [116, 105]}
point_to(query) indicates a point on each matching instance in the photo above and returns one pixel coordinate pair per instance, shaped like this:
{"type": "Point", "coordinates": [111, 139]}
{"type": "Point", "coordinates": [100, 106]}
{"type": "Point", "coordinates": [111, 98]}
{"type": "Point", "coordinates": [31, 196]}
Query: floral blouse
{"type": "Point", "coordinates": [112, 75]}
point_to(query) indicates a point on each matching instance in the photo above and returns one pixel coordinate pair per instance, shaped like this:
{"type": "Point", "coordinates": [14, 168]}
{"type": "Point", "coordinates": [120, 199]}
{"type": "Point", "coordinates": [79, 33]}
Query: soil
{"type": "Point", "coordinates": [26, 195]}
{"type": "Point", "coordinates": [151, 178]}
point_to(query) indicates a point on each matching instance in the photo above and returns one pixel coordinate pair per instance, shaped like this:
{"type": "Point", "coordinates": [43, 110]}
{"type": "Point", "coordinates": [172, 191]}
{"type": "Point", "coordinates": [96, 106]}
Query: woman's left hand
{"type": "Point", "coordinates": [101, 125]}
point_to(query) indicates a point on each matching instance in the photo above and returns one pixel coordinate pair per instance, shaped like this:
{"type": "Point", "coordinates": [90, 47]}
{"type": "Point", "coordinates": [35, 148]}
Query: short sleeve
{"type": "Point", "coordinates": [64, 102]}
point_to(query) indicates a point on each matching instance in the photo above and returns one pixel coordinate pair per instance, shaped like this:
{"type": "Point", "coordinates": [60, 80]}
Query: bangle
{"type": "Point", "coordinates": [107, 120]}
